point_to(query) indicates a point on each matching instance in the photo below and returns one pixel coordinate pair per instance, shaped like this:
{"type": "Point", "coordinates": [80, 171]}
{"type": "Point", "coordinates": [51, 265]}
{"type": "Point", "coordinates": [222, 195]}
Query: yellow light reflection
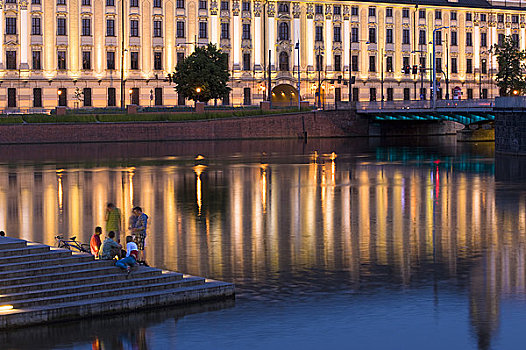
{"type": "Point", "coordinates": [6, 308]}
{"type": "Point", "coordinates": [60, 191]}
{"type": "Point", "coordinates": [198, 169]}
{"type": "Point", "coordinates": [263, 181]}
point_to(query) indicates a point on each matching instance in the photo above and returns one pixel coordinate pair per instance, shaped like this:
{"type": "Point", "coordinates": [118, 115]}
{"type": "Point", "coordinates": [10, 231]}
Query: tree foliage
{"type": "Point", "coordinates": [203, 76]}
{"type": "Point", "coordinates": [510, 59]}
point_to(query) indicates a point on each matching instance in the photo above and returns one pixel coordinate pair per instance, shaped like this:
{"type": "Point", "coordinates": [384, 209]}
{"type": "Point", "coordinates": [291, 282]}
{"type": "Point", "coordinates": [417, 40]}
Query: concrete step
{"type": "Point", "coordinates": [11, 243]}
{"type": "Point", "coordinates": [83, 286]}
{"type": "Point", "coordinates": [75, 259]}
{"type": "Point", "coordinates": [31, 285]}
{"type": "Point", "coordinates": [100, 294]}
{"type": "Point", "coordinates": [65, 269]}
{"type": "Point", "coordinates": [86, 271]}
{"type": "Point", "coordinates": [29, 249]}
{"type": "Point", "coordinates": [49, 254]}
{"type": "Point", "coordinates": [114, 304]}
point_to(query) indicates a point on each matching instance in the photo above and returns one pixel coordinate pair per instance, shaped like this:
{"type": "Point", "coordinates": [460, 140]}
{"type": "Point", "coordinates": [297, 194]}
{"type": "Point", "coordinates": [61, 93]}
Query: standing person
{"type": "Point", "coordinates": [132, 253]}
{"type": "Point", "coordinates": [95, 242]}
{"type": "Point", "coordinates": [139, 230]}
{"type": "Point", "coordinates": [113, 220]}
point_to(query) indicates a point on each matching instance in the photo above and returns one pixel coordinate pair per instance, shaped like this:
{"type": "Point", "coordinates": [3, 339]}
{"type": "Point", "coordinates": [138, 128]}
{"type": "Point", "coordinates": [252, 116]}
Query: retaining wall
{"type": "Point", "coordinates": [510, 132]}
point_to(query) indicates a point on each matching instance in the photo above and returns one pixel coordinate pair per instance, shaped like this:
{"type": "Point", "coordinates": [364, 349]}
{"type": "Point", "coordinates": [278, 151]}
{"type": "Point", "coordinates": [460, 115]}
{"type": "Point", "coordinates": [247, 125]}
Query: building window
{"type": "Point", "coordinates": [483, 39]}
{"type": "Point", "coordinates": [405, 13]}
{"type": "Point", "coordinates": [389, 12]}
{"type": "Point", "coordinates": [110, 27]}
{"type": "Point", "coordinates": [225, 6]}
{"type": "Point", "coordinates": [157, 60]}
{"type": "Point", "coordinates": [283, 31]}
{"type": "Point", "coordinates": [422, 62]}
{"type": "Point", "coordinates": [337, 63]}
{"type": "Point", "coordinates": [372, 63]}
{"type": "Point", "coordinates": [389, 64]}
{"type": "Point", "coordinates": [469, 39]}
{"type": "Point", "coordinates": [87, 97]}
{"type": "Point", "coordinates": [469, 65]}
{"type": "Point", "coordinates": [422, 14]}
{"type": "Point", "coordinates": [10, 25]}
{"type": "Point", "coordinates": [438, 14]}
{"type": "Point", "coordinates": [157, 3]}
{"type": "Point", "coordinates": [134, 60]}
{"type": "Point", "coordinates": [372, 94]}
{"type": "Point", "coordinates": [37, 64]}
{"type": "Point", "coordinates": [36, 28]}
{"type": "Point", "coordinates": [180, 4]}
{"type": "Point", "coordinates": [483, 17]}
{"type": "Point", "coordinates": [37, 97]}
{"type": "Point", "coordinates": [354, 35]}
{"type": "Point", "coordinates": [86, 60]}
{"type": "Point", "coordinates": [372, 35]}
{"type": "Point", "coordinates": [514, 19]}
{"type": "Point", "coordinates": [246, 61]}
{"type": "Point", "coordinates": [389, 36]}
{"type": "Point", "coordinates": [134, 3]}
{"type": "Point", "coordinates": [157, 29]}
{"type": "Point", "coordinates": [453, 15]}
{"type": "Point", "coordinates": [283, 7]}
{"type": "Point", "coordinates": [180, 57]}
{"type": "Point", "coordinates": [110, 2]}
{"type": "Point", "coordinates": [438, 37]}
{"type": "Point", "coordinates": [470, 94]}
{"type": "Point", "coordinates": [245, 6]}
{"type": "Point", "coordinates": [35, 2]}
{"type": "Point", "coordinates": [405, 61]}
{"type": "Point", "coordinates": [246, 96]}
{"type": "Point", "coordinates": [10, 59]}
{"type": "Point", "coordinates": [515, 39]}
{"type": "Point", "coordinates": [246, 31]}
{"type": "Point", "coordinates": [134, 28]}
{"type": "Point", "coordinates": [110, 60]}
{"type": "Point", "coordinates": [484, 66]}
{"type": "Point", "coordinates": [354, 10]}
{"type": "Point", "coordinates": [372, 11]}
{"type": "Point", "coordinates": [337, 10]}
{"type": "Point", "coordinates": [59, 2]}
{"type": "Point", "coordinates": [180, 29]}
{"type": "Point", "coordinates": [438, 64]}
{"type": "Point", "coordinates": [389, 94]}
{"type": "Point", "coordinates": [86, 27]}
{"type": "Point", "coordinates": [225, 31]}
{"type": "Point", "coordinates": [468, 17]}
{"type": "Point", "coordinates": [318, 9]}
{"type": "Point", "coordinates": [500, 39]}
{"type": "Point", "coordinates": [319, 33]}
{"type": "Point", "coordinates": [62, 97]}
{"type": "Point", "coordinates": [86, 2]}
{"type": "Point", "coordinates": [202, 4]}
{"type": "Point", "coordinates": [158, 96]}
{"type": "Point", "coordinates": [454, 41]}
{"type": "Point", "coordinates": [406, 35]}
{"type": "Point", "coordinates": [407, 94]}
{"type": "Point", "coordinates": [337, 34]}
{"type": "Point", "coordinates": [112, 101]}
{"type": "Point", "coordinates": [422, 37]}
{"type": "Point", "coordinates": [203, 30]}
{"type": "Point", "coordinates": [11, 97]}
{"type": "Point", "coordinates": [354, 63]}
{"type": "Point", "coordinates": [283, 61]}
{"type": "Point", "coordinates": [61, 26]}
{"type": "Point", "coordinates": [61, 60]}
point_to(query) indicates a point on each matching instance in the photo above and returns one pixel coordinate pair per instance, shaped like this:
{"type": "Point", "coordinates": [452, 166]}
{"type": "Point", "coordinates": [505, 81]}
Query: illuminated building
{"type": "Point", "coordinates": [51, 48]}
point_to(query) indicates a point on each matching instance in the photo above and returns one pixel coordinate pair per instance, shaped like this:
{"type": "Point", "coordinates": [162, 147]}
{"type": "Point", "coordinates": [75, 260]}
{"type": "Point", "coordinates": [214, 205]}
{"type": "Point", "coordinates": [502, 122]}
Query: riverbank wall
{"type": "Point", "coordinates": [510, 125]}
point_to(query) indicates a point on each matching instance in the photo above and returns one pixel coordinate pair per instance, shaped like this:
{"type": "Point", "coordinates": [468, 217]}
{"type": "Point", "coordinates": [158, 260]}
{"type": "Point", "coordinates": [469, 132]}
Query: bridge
{"type": "Point", "coordinates": [461, 111]}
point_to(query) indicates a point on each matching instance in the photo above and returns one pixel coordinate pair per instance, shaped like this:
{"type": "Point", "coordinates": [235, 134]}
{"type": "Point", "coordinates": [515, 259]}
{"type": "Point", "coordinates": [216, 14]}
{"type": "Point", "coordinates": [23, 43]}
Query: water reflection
{"type": "Point", "coordinates": [289, 225]}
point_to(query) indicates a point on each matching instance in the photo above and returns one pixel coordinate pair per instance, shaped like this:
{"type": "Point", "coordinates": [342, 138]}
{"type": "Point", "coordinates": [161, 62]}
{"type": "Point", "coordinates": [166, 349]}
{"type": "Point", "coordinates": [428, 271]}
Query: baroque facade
{"type": "Point", "coordinates": [68, 52]}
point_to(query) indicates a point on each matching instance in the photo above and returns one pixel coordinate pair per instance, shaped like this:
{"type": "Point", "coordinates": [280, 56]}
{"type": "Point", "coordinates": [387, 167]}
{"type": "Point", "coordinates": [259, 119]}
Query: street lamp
{"type": "Point", "coordinates": [435, 66]}
{"type": "Point", "coordinates": [318, 66]}
{"type": "Point", "coordinates": [299, 76]}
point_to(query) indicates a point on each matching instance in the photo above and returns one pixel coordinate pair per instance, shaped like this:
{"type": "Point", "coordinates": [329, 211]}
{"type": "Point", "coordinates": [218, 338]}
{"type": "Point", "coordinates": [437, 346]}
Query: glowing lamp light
{"type": "Point", "coordinates": [515, 92]}
{"type": "Point", "coordinates": [199, 157]}
{"type": "Point", "coordinates": [6, 308]}
{"type": "Point", "coordinates": [130, 91]}
{"type": "Point", "coordinates": [59, 92]}
{"type": "Point", "coordinates": [198, 90]}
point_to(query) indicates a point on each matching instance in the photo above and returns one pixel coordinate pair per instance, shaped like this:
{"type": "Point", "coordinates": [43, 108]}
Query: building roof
{"type": "Point", "coordinates": [478, 4]}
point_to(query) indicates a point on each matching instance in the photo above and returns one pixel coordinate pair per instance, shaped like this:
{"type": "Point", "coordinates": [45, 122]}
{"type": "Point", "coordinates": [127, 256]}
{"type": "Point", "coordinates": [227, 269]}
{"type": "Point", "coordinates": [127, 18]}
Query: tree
{"type": "Point", "coordinates": [510, 77]}
{"type": "Point", "coordinates": [203, 75]}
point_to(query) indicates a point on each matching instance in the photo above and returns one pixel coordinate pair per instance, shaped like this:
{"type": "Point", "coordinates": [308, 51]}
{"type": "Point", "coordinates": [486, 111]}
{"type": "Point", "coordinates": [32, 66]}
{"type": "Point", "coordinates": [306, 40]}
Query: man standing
{"type": "Point", "coordinates": [139, 231]}
{"type": "Point", "coordinates": [113, 220]}
{"type": "Point", "coordinates": [95, 242]}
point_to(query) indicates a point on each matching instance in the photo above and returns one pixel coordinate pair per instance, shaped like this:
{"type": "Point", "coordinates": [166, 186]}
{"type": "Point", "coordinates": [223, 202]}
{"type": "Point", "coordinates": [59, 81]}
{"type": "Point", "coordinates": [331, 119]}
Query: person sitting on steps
{"type": "Point", "coordinates": [110, 248]}
{"type": "Point", "coordinates": [132, 253]}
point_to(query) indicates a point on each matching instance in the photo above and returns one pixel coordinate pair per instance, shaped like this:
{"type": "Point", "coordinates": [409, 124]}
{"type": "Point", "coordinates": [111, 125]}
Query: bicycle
{"type": "Point", "coordinates": [72, 244]}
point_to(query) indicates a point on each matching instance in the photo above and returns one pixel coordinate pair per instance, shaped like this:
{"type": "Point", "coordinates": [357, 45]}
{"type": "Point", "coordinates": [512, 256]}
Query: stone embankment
{"type": "Point", "coordinates": [42, 284]}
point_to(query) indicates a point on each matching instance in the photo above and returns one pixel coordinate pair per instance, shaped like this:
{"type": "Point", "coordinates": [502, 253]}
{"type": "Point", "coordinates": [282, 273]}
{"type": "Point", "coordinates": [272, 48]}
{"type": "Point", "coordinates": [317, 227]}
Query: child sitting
{"type": "Point", "coordinates": [131, 255]}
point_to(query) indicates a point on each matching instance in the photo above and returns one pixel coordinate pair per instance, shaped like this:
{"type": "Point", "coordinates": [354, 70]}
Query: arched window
{"type": "Point", "coordinates": [283, 61]}
{"type": "Point", "coordinates": [283, 8]}
{"type": "Point", "coordinates": [283, 31]}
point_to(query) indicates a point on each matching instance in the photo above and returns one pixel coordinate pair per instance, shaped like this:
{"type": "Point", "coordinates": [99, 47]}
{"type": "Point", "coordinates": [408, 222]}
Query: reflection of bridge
{"type": "Point", "coordinates": [461, 111]}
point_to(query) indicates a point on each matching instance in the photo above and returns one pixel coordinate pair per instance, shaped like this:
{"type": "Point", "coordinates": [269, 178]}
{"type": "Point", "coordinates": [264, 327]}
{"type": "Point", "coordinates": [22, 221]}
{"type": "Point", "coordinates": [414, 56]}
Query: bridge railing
{"type": "Point", "coordinates": [375, 106]}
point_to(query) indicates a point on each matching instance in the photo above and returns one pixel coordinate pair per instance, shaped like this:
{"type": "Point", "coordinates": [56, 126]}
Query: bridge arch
{"type": "Point", "coordinates": [284, 95]}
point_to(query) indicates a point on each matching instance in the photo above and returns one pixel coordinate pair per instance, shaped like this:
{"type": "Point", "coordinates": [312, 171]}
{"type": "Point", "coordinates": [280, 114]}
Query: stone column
{"type": "Point", "coordinates": [214, 28]}
{"type": "Point", "coordinates": [236, 42]}
{"type": "Point", "coordinates": [23, 35]}
{"type": "Point", "coordinates": [257, 35]}
{"type": "Point", "coordinates": [328, 37]}
{"type": "Point", "coordinates": [346, 37]}
{"type": "Point", "coordinates": [271, 36]}
{"type": "Point", "coordinates": [310, 35]}
{"type": "Point", "coordinates": [2, 34]}
{"type": "Point", "coordinates": [297, 32]}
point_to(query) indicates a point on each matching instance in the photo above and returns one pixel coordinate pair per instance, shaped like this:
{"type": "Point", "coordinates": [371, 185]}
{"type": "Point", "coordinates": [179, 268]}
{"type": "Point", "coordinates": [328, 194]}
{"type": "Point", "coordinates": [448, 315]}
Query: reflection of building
{"type": "Point", "coordinates": [69, 52]}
